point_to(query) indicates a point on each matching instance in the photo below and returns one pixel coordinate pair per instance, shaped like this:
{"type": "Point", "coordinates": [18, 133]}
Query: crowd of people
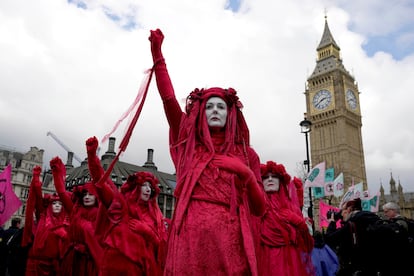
{"type": "Point", "coordinates": [233, 214]}
{"type": "Point", "coordinates": [367, 244]}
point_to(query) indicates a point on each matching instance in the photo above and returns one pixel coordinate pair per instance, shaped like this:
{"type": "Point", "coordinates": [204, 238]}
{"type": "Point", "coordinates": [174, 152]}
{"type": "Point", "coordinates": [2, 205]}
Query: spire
{"type": "Point", "coordinates": [327, 38]}
{"type": "Point", "coordinates": [329, 56]}
{"type": "Point", "coordinates": [392, 185]}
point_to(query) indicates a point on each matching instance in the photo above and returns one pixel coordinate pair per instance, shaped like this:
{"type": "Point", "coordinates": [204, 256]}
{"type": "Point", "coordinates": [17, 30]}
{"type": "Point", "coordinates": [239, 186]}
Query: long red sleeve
{"type": "Point", "coordinates": [257, 197]}
{"type": "Point", "coordinates": [171, 106]}
{"type": "Point", "coordinates": [104, 190]}
{"type": "Point", "coordinates": [33, 205]}
{"type": "Point", "coordinates": [94, 164]}
{"type": "Point", "coordinates": [59, 175]}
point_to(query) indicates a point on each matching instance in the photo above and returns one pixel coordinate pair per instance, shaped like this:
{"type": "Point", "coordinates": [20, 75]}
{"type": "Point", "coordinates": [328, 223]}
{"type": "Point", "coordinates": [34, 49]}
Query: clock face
{"type": "Point", "coordinates": [322, 99]}
{"type": "Point", "coordinates": [351, 99]}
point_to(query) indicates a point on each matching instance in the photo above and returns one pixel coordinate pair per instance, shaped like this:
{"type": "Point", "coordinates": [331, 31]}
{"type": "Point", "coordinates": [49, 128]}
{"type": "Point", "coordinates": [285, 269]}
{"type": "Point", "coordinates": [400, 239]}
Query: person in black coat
{"type": "Point", "coordinates": [13, 256]}
{"type": "Point", "coordinates": [351, 242]}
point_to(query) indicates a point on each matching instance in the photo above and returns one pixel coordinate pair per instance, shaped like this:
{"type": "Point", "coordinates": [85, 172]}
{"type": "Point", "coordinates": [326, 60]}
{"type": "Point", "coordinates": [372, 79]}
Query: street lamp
{"type": "Point", "coordinates": [305, 127]}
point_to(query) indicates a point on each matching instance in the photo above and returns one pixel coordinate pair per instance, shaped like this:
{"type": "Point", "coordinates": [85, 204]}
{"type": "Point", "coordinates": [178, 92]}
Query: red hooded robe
{"type": "Point", "coordinates": [285, 241]}
{"type": "Point", "coordinates": [128, 252]}
{"type": "Point", "coordinates": [210, 232]}
{"type": "Point", "coordinates": [50, 238]}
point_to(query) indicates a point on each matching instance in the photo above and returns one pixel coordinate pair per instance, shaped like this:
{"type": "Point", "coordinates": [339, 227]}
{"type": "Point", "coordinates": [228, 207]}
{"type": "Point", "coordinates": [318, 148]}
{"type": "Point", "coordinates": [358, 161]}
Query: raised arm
{"type": "Point", "coordinates": [94, 164]}
{"type": "Point", "coordinates": [59, 177]}
{"type": "Point", "coordinates": [164, 84]}
{"type": "Point", "coordinates": [34, 206]}
{"type": "Point", "coordinates": [36, 196]}
{"type": "Point", "coordinates": [104, 189]}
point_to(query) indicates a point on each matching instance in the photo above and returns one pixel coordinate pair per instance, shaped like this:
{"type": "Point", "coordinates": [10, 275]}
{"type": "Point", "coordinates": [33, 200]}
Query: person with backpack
{"type": "Point", "coordinates": [401, 236]}
{"type": "Point", "coordinates": [7, 243]}
{"type": "Point", "coordinates": [392, 212]}
{"type": "Point", "coordinates": [352, 242]}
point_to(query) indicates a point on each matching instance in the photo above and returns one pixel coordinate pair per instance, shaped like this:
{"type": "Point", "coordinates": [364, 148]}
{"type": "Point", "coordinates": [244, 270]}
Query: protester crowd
{"type": "Point", "coordinates": [233, 215]}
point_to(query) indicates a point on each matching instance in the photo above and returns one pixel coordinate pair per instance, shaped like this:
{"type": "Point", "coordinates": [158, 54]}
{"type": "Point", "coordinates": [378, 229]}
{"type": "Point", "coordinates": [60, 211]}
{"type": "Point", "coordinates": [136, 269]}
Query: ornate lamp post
{"type": "Point", "coordinates": [305, 127]}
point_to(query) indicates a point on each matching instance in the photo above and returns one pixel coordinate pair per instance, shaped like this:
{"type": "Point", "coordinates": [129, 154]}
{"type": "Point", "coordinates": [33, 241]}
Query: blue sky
{"type": "Point", "coordinates": [393, 43]}
{"type": "Point", "coordinates": [73, 68]}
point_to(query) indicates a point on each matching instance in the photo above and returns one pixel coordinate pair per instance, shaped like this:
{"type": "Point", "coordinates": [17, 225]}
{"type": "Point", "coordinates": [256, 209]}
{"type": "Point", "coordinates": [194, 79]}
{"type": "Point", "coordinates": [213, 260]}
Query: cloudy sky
{"type": "Point", "coordinates": [74, 67]}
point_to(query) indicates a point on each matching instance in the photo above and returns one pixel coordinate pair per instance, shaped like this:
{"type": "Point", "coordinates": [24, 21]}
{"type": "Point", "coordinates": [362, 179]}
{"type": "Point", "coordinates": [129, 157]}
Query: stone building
{"type": "Point", "coordinates": [404, 200]}
{"type": "Point", "coordinates": [22, 166]}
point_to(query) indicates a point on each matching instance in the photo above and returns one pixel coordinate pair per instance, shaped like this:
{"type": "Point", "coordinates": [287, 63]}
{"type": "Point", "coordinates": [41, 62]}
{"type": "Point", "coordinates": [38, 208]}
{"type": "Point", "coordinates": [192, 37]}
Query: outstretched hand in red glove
{"type": "Point", "coordinates": [59, 174]}
{"type": "Point", "coordinates": [156, 38]}
{"type": "Point", "coordinates": [37, 170]}
{"type": "Point", "coordinates": [35, 178]}
{"type": "Point", "coordinates": [92, 145]}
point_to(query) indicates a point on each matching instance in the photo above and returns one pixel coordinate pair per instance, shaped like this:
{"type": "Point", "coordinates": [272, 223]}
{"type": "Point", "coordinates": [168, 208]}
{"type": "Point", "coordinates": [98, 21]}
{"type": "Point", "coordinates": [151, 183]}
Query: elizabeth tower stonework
{"type": "Point", "coordinates": [333, 107]}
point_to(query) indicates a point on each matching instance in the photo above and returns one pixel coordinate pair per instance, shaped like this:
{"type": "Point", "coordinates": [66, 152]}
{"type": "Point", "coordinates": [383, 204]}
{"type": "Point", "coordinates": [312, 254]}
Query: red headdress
{"type": "Point", "coordinates": [277, 169]}
{"type": "Point", "coordinates": [48, 199]}
{"type": "Point", "coordinates": [137, 180]}
{"type": "Point", "coordinates": [194, 128]}
{"type": "Point", "coordinates": [80, 190]}
{"type": "Point", "coordinates": [131, 189]}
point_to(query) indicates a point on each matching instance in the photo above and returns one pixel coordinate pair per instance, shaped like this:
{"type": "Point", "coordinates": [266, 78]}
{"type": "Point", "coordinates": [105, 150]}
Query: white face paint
{"type": "Point", "coordinates": [56, 207]}
{"type": "Point", "coordinates": [216, 112]}
{"type": "Point", "coordinates": [89, 199]}
{"type": "Point", "coordinates": [146, 191]}
{"type": "Point", "coordinates": [270, 183]}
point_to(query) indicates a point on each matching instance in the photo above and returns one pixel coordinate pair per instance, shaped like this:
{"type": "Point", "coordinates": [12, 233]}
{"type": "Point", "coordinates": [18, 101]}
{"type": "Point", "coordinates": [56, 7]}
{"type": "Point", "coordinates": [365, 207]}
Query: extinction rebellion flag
{"type": "Point", "coordinates": [9, 202]}
{"type": "Point", "coordinates": [316, 177]}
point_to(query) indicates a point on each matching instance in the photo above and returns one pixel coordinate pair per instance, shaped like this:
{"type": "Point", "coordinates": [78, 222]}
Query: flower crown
{"type": "Point", "coordinates": [277, 169]}
{"type": "Point", "coordinates": [228, 95]}
{"type": "Point", "coordinates": [139, 178]}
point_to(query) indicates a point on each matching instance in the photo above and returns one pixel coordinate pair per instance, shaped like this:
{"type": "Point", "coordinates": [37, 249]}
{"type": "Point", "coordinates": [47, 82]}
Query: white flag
{"type": "Point", "coordinates": [338, 185]}
{"type": "Point", "coordinates": [316, 177]}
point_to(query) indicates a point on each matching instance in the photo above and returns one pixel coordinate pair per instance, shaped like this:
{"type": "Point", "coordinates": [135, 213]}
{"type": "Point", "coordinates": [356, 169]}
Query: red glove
{"type": "Point", "coordinates": [156, 38]}
{"type": "Point", "coordinates": [234, 165]}
{"type": "Point", "coordinates": [94, 164]}
{"type": "Point", "coordinates": [35, 177]}
{"type": "Point", "coordinates": [143, 229]}
{"type": "Point", "coordinates": [37, 171]}
{"type": "Point", "coordinates": [292, 217]}
{"type": "Point", "coordinates": [92, 145]}
{"type": "Point", "coordinates": [59, 174]}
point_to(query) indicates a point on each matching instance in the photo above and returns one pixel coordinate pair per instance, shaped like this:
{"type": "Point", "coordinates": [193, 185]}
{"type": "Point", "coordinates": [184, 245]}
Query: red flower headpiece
{"type": "Point", "coordinates": [49, 198]}
{"type": "Point", "coordinates": [80, 190]}
{"type": "Point", "coordinates": [139, 178]}
{"type": "Point", "coordinates": [277, 169]}
{"type": "Point", "coordinates": [228, 95]}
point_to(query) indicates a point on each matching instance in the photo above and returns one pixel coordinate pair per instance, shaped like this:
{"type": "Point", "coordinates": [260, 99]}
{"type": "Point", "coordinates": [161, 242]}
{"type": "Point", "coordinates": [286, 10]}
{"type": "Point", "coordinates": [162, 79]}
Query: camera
{"type": "Point", "coordinates": [336, 215]}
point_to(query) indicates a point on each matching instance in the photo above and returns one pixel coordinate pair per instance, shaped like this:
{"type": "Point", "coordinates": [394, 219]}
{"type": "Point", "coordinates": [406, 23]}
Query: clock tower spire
{"type": "Point", "coordinates": [333, 107]}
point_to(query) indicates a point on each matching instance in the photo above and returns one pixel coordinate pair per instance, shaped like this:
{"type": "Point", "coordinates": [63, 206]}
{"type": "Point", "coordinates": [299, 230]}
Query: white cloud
{"type": "Point", "coordinates": [74, 72]}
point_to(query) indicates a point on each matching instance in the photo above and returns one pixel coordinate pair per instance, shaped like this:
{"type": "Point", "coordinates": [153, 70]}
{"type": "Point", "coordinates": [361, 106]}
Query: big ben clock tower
{"type": "Point", "coordinates": [333, 107]}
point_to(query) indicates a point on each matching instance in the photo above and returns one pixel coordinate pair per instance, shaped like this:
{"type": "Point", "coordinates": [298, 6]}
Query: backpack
{"type": "Point", "coordinates": [391, 246]}
{"type": "Point", "coordinates": [408, 225]}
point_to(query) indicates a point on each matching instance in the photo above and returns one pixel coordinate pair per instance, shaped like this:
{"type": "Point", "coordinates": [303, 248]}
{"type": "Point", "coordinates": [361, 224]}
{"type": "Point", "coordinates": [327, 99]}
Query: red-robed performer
{"type": "Point", "coordinates": [130, 222]}
{"type": "Point", "coordinates": [84, 254]}
{"type": "Point", "coordinates": [285, 240]}
{"type": "Point", "coordinates": [48, 234]}
{"type": "Point", "coordinates": [218, 180]}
